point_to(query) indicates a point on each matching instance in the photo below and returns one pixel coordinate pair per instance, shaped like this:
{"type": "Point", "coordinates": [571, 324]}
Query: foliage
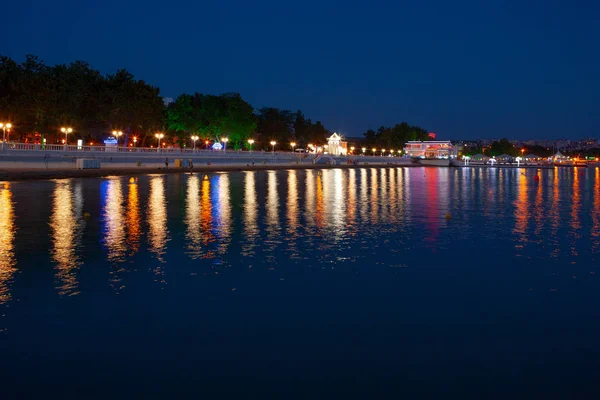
{"type": "Point", "coordinates": [40, 99]}
{"type": "Point", "coordinates": [305, 132]}
{"type": "Point", "coordinates": [275, 124]}
{"type": "Point", "coordinates": [394, 137]}
{"type": "Point", "coordinates": [212, 117]}
{"type": "Point", "coordinates": [503, 146]}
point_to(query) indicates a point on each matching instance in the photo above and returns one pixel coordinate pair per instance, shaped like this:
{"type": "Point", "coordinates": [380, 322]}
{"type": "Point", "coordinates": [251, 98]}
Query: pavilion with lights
{"type": "Point", "coordinates": [336, 146]}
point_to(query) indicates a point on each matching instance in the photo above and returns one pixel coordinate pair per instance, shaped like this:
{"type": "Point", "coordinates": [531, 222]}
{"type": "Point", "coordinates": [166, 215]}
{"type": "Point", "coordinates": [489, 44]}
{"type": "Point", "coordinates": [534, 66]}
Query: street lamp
{"type": "Point", "coordinates": [4, 126]}
{"type": "Point", "coordinates": [194, 138]}
{"type": "Point", "coordinates": [352, 150]}
{"type": "Point", "coordinates": [382, 152]}
{"type": "Point", "coordinates": [225, 140]}
{"type": "Point", "coordinates": [66, 131]}
{"type": "Point", "coordinates": [250, 142]}
{"type": "Point", "coordinates": [293, 144]}
{"type": "Point", "coordinates": [364, 149]}
{"type": "Point", "coordinates": [206, 143]}
{"type": "Point", "coordinates": [134, 141]}
{"type": "Point", "coordinates": [273, 143]}
{"type": "Point", "coordinates": [159, 136]}
{"type": "Point", "coordinates": [117, 134]}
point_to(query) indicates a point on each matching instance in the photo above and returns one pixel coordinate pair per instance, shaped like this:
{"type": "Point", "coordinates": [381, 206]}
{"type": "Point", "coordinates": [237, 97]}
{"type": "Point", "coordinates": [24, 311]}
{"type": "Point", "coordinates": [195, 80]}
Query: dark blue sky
{"type": "Point", "coordinates": [464, 69]}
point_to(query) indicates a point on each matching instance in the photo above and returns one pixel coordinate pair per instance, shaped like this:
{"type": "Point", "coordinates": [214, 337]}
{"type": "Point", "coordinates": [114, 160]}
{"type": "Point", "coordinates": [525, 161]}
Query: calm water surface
{"type": "Point", "coordinates": [311, 284]}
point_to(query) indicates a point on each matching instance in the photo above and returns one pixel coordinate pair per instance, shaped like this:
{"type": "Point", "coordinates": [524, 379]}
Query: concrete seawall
{"type": "Point", "coordinates": [19, 166]}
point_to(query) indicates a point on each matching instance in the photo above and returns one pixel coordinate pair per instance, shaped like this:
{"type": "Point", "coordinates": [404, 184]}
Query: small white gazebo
{"type": "Point", "coordinates": [336, 146]}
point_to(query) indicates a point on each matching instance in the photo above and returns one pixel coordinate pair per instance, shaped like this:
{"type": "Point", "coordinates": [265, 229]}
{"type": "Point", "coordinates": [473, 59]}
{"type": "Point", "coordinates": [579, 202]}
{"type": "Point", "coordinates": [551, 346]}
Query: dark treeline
{"type": "Point", "coordinates": [394, 137]}
{"type": "Point", "coordinates": [39, 99]}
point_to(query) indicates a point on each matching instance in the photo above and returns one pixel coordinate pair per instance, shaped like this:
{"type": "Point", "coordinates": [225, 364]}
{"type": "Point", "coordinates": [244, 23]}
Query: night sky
{"type": "Point", "coordinates": [465, 69]}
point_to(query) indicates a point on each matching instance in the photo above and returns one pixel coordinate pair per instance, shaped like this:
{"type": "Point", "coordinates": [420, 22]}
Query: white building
{"type": "Point", "coordinates": [336, 146]}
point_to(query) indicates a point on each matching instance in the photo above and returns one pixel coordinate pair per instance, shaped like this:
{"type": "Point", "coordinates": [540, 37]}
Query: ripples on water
{"type": "Point", "coordinates": [425, 237]}
{"type": "Point", "coordinates": [322, 217]}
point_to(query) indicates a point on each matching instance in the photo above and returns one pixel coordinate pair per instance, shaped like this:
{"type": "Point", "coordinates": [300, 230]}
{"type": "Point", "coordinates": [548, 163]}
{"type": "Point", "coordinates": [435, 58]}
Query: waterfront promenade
{"type": "Point", "coordinates": [32, 162]}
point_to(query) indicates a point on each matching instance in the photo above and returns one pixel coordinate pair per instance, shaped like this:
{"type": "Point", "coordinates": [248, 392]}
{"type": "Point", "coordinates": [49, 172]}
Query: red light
{"type": "Point", "coordinates": [432, 135]}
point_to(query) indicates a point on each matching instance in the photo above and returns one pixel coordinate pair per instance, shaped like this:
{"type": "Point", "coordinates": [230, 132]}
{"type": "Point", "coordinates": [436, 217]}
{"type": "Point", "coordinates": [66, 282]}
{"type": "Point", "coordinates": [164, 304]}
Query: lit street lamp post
{"type": "Point", "coordinates": [66, 131]}
{"type": "Point", "coordinates": [194, 138]}
{"type": "Point", "coordinates": [293, 144]}
{"type": "Point", "coordinates": [159, 136]}
{"type": "Point", "coordinates": [206, 143]}
{"type": "Point", "coordinates": [251, 142]}
{"type": "Point", "coordinates": [364, 149]}
{"type": "Point", "coordinates": [134, 141]}
{"type": "Point", "coordinates": [273, 143]}
{"type": "Point", "coordinates": [117, 134]}
{"type": "Point", "coordinates": [225, 140]}
{"type": "Point", "coordinates": [4, 127]}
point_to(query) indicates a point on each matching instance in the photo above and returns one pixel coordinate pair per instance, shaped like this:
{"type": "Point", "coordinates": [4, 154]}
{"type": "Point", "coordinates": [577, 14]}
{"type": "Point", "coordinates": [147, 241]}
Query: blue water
{"type": "Point", "coordinates": [360, 283]}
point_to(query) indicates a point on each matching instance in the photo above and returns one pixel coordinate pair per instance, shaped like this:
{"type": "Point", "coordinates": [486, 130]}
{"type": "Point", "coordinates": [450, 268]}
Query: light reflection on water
{"type": "Point", "coordinates": [67, 223]}
{"type": "Point", "coordinates": [575, 210]}
{"type": "Point", "coordinates": [272, 224]}
{"type": "Point", "coordinates": [250, 212]}
{"type": "Point", "coordinates": [292, 213]}
{"type": "Point", "coordinates": [114, 215]}
{"type": "Point", "coordinates": [157, 222]}
{"type": "Point", "coordinates": [421, 273]}
{"type": "Point", "coordinates": [7, 236]}
{"type": "Point", "coordinates": [595, 230]}
{"type": "Point", "coordinates": [192, 218]}
{"type": "Point", "coordinates": [324, 217]}
{"type": "Point", "coordinates": [223, 215]}
{"type": "Point", "coordinates": [134, 218]}
{"type": "Point", "coordinates": [521, 212]}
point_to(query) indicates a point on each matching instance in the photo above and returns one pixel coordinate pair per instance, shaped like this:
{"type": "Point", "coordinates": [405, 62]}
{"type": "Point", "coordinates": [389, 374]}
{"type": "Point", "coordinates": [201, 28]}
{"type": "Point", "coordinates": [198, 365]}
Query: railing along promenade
{"type": "Point", "coordinates": [29, 152]}
{"type": "Point", "coordinates": [121, 149]}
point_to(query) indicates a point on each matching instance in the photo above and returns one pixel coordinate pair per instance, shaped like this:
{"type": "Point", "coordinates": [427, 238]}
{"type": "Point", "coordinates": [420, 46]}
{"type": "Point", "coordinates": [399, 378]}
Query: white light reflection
{"type": "Point", "coordinates": [292, 212]}
{"type": "Point", "coordinates": [351, 206]}
{"type": "Point", "coordinates": [157, 221]}
{"type": "Point", "coordinates": [192, 218]}
{"type": "Point", "coordinates": [364, 199]}
{"type": "Point", "coordinates": [337, 205]}
{"type": "Point", "coordinates": [251, 231]}
{"type": "Point", "coordinates": [114, 234]}
{"type": "Point", "coordinates": [66, 223]}
{"type": "Point", "coordinates": [272, 219]}
{"type": "Point", "coordinates": [223, 213]}
{"type": "Point", "coordinates": [310, 200]}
